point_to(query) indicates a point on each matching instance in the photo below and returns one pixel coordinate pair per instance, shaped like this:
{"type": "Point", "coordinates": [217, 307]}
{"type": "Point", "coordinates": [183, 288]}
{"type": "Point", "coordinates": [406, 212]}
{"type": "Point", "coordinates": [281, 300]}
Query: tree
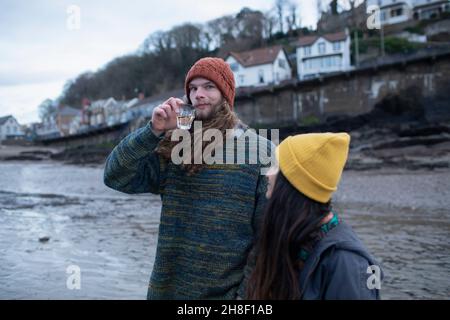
{"type": "Point", "coordinates": [269, 22]}
{"type": "Point", "coordinates": [250, 27]}
{"type": "Point", "coordinates": [46, 109]}
{"type": "Point", "coordinates": [280, 6]}
{"type": "Point", "coordinates": [320, 8]}
{"type": "Point", "coordinates": [334, 7]}
{"type": "Point", "coordinates": [292, 18]}
{"type": "Point", "coordinates": [222, 30]}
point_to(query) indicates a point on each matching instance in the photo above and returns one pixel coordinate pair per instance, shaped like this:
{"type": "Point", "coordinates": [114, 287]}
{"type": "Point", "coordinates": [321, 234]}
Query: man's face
{"type": "Point", "coordinates": [205, 97]}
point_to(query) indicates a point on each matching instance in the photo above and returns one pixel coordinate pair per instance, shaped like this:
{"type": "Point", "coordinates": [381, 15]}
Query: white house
{"type": "Point", "coordinates": [97, 111]}
{"type": "Point", "coordinates": [48, 128]}
{"type": "Point", "coordinates": [144, 107]}
{"type": "Point", "coordinates": [9, 127]}
{"type": "Point", "coordinates": [430, 9]}
{"type": "Point", "coordinates": [393, 11]}
{"type": "Point", "coordinates": [260, 67]}
{"type": "Point", "coordinates": [327, 53]}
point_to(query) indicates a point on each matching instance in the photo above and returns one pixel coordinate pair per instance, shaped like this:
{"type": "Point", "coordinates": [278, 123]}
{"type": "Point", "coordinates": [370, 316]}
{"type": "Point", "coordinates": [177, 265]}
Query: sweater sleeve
{"type": "Point", "coordinates": [260, 202]}
{"type": "Point", "coordinates": [134, 166]}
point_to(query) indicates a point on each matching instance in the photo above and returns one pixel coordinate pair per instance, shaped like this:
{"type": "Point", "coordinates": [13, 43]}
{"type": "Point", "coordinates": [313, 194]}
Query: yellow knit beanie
{"type": "Point", "coordinates": [313, 163]}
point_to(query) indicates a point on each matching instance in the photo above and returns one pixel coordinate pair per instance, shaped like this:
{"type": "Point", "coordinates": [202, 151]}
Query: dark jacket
{"type": "Point", "coordinates": [338, 268]}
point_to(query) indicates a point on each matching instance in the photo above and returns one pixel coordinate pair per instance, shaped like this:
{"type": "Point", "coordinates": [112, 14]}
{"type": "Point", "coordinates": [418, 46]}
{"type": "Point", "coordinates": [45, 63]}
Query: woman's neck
{"type": "Point", "coordinates": [327, 219]}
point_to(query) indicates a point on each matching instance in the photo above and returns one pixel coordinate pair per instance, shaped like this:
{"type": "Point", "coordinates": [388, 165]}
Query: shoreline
{"type": "Point", "coordinates": [416, 158]}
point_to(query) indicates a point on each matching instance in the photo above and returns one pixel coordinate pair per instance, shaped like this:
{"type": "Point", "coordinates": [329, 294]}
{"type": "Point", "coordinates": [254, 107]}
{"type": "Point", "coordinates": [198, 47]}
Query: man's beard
{"type": "Point", "coordinates": [221, 117]}
{"type": "Point", "coordinates": [207, 116]}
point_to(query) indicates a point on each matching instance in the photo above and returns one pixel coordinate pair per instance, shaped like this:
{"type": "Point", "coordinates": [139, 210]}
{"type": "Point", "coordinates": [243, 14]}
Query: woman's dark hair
{"type": "Point", "coordinates": [291, 221]}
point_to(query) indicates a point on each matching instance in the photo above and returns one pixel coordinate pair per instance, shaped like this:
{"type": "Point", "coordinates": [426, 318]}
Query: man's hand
{"type": "Point", "coordinates": [164, 116]}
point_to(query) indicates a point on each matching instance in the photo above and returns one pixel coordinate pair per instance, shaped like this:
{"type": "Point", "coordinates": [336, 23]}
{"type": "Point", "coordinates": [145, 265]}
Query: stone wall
{"type": "Point", "coordinates": [424, 82]}
{"type": "Point", "coordinates": [350, 94]}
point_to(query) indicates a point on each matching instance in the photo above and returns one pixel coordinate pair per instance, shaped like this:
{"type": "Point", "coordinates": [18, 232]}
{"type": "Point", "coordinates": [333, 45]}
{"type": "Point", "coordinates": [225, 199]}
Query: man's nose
{"type": "Point", "coordinates": [199, 94]}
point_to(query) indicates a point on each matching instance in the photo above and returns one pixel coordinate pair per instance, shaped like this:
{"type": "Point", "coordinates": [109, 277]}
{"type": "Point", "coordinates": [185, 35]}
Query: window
{"type": "Point", "coordinates": [396, 12]}
{"type": "Point", "coordinates": [307, 51]}
{"type": "Point", "coordinates": [261, 76]}
{"type": "Point", "coordinates": [337, 46]}
{"type": "Point", "coordinates": [241, 79]}
{"type": "Point", "coordinates": [282, 64]}
{"type": "Point", "coordinates": [234, 66]}
{"type": "Point", "coordinates": [383, 16]}
{"type": "Point", "coordinates": [308, 64]}
{"type": "Point", "coordinates": [322, 48]}
{"type": "Point", "coordinates": [7, 129]}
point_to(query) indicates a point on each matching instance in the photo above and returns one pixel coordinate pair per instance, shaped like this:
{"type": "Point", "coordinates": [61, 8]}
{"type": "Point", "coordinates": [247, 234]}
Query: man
{"type": "Point", "coordinates": [210, 212]}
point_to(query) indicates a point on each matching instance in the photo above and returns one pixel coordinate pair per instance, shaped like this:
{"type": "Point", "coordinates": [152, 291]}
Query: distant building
{"type": "Point", "coordinates": [323, 54]}
{"type": "Point", "coordinates": [260, 67]}
{"type": "Point", "coordinates": [429, 9]}
{"type": "Point", "coordinates": [331, 21]}
{"type": "Point", "coordinates": [97, 111]}
{"type": "Point", "coordinates": [64, 118]}
{"type": "Point", "coordinates": [10, 128]}
{"type": "Point", "coordinates": [144, 107]}
{"type": "Point", "coordinates": [393, 11]}
{"type": "Point", "coordinates": [48, 128]}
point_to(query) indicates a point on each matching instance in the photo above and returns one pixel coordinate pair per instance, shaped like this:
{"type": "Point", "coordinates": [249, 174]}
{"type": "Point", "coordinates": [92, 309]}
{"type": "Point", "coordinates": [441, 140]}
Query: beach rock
{"type": "Point", "coordinates": [44, 239]}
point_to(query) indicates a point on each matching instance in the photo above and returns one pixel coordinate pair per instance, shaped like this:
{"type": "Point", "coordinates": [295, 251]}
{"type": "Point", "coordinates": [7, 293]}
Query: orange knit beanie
{"type": "Point", "coordinates": [217, 71]}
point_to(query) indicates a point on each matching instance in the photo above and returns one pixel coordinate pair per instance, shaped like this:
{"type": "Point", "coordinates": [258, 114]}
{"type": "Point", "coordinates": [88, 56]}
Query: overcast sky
{"type": "Point", "coordinates": [39, 53]}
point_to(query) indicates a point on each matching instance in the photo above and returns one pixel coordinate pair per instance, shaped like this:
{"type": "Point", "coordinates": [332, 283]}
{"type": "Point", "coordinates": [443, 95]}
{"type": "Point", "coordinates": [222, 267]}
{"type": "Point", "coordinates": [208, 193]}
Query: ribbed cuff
{"type": "Point", "coordinates": [146, 138]}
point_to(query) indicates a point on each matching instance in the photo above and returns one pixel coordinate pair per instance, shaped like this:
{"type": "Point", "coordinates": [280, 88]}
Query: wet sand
{"type": "Point", "coordinates": [402, 217]}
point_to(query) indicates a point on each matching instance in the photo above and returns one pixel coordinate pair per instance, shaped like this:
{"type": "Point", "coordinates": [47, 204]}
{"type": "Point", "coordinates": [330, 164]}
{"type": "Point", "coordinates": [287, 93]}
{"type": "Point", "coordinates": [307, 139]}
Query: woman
{"type": "Point", "coordinates": [305, 250]}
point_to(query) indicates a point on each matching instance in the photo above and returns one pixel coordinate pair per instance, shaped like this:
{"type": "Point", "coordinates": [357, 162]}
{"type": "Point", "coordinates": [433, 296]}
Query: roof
{"type": "Point", "coordinates": [68, 111]}
{"type": "Point", "coordinates": [432, 4]}
{"type": "Point", "coordinates": [257, 56]}
{"type": "Point", "coordinates": [5, 118]}
{"type": "Point", "coordinates": [395, 4]}
{"type": "Point", "coordinates": [332, 37]}
{"type": "Point", "coordinates": [177, 93]}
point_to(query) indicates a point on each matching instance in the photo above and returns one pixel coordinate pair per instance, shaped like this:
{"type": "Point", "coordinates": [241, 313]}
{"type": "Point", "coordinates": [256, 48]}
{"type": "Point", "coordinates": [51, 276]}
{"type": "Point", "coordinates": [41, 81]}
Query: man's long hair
{"type": "Point", "coordinates": [291, 222]}
{"type": "Point", "coordinates": [222, 118]}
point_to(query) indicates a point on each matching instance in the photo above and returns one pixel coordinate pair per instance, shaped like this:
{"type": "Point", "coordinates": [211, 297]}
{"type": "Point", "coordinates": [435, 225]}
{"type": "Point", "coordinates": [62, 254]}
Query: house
{"type": "Point", "coordinates": [144, 107]}
{"type": "Point", "coordinates": [393, 11]}
{"type": "Point", "coordinates": [331, 21]}
{"type": "Point", "coordinates": [430, 9]}
{"type": "Point", "coordinates": [10, 128]}
{"type": "Point", "coordinates": [113, 112]}
{"type": "Point", "coordinates": [127, 105]}
{"type": "Point", "coordinates": [64, 118]}
{"type": "Point", "coordinates": [48, 128]}
{"type": "Point", "coordinates": [97, 115]}
{"type": "Point", "coordinates": [322, 54]}
{"type": "Point", "coordinates": [260, 67]}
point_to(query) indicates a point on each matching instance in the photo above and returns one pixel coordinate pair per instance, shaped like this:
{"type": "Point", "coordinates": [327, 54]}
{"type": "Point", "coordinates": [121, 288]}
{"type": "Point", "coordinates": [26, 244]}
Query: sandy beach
{"type": "Point", "coordinates": [55, 215]}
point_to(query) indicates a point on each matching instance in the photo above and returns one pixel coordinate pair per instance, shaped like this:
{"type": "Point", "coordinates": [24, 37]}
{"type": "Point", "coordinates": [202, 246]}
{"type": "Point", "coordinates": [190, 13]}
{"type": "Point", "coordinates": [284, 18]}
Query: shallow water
{"type": "Point", "coordinates": [402, 217]}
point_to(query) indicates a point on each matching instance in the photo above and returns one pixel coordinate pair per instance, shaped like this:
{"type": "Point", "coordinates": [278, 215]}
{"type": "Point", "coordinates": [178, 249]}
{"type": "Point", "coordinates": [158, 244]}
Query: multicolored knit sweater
{"type": "Point", "coordinates": [208, 220]}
